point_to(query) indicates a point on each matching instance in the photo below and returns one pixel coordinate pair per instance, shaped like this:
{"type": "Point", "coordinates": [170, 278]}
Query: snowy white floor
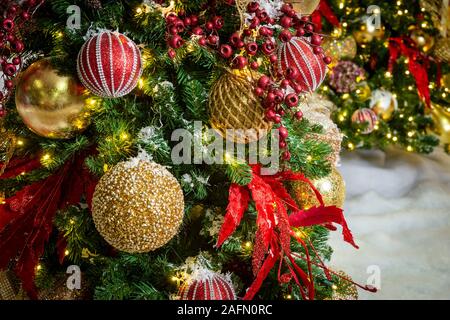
{"type": "Point", "coordinates": [398, 208]}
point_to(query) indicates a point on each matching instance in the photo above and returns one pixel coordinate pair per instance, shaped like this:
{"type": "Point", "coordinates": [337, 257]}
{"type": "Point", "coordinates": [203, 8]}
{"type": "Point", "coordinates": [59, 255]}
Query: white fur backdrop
{"type": "Point", "coordinates": [398, 208]}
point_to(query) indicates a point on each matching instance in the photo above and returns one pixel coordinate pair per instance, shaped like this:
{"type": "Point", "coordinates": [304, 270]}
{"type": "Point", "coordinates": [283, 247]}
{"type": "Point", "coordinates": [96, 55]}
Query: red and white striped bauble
{"type": "Point", "coordinates": [299, 53]}
{"type": "Point", "coordinates": [365, 116]}
{"type": "Point", "coordinates": [207, 285]}
{"type": "Point", "coordinates": [109, 64]}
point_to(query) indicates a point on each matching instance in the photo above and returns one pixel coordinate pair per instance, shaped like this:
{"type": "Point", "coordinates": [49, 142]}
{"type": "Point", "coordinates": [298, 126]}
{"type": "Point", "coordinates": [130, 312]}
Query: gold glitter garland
{"type": "Point", "coordinates": [138, 206]}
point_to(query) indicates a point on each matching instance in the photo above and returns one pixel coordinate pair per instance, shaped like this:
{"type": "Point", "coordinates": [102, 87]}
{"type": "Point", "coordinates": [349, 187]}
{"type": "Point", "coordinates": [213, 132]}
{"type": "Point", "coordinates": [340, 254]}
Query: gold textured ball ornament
{"type": "Point", "coordinates": [331, 187]}
{"type": "Point", "coordinates": [51, 104]}
{"type": "Point", "coordinates": [304, 6]}
{"type": "Point", "coordinates": [235, 111]}
{"type": "Point", "coordinates": [383, 103]}
{"type": "Point", "coordinates": [363, 91]}
{"type": "Point", "coordinates": [138, 206]}
{"type": "Point", "coordinates": [423, 40]}
{"type": "Point", "coordinates": [441, 120]}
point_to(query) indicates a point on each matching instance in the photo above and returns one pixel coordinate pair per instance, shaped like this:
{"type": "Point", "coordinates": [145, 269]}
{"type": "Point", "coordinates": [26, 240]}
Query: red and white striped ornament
{"type": "Point", "coordinates": [205, 284]}
{"type": "Point", "coordinates": [367, 116]}
{"type": "Point", "coordinates": [109, 64]}
{"type": "Point", "coordinates": [299, 52]}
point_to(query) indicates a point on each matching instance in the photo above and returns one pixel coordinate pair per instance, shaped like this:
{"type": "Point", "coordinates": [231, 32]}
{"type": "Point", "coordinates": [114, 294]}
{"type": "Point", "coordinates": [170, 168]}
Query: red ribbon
{"type": "Point", "coordinates": [27, 217]}
{"type": "Point", "coordinates": [418, 64]}
{"type": "Point", "coordinates": [274, 227]}
{"type": "Point", "coordinates": [324, 10]}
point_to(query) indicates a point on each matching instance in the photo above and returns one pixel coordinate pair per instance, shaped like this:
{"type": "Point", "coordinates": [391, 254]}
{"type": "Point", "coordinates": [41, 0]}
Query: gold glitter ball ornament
{"type": "Point", "coordinates": [344, 289]}
{"type": "Point", "coordinates": [424, 41]}
{"type": "Point", "coordinates": [331, 187]}
{"type": "Point", "coordinates": [138, 206]}
{"type": "Point", "coordinates": [235, 111]}
{"type": "Point", "coordinates": [52, 105]}
{"type": "Point", "coordinates": [383, 103]}
{"type": "Point", "coordinates": [441, 122]}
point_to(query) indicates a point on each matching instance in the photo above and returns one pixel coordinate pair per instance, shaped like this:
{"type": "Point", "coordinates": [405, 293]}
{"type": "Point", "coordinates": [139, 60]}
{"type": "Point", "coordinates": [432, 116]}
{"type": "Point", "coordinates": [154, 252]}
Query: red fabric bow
{"type": "Point", "coordinates": [274, 227]}
{"type": "Point", "coordinates": [418, 64]}
{"type": "Point", "coordinates": [324, 10]}
{"type": "Point", "coordinates": [26, 219]}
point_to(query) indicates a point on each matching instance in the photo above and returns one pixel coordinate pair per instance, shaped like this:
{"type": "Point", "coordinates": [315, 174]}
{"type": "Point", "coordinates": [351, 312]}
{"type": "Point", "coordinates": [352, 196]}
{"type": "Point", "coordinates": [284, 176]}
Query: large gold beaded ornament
{"type": "Point", "coordinates": [51, 104]}
{"type": "Point", "coordinates": [138, 206]}
{"type": "Point", "coordinates": [331, 187]}
{"type": "Point", "coordinates": [235, 111]}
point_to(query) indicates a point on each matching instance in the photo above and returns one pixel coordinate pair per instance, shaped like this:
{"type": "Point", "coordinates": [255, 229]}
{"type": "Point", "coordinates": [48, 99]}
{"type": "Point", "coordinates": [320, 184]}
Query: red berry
{"type": "Point", "coordinates": [283, 132]}
{"type": "Point", "coordinates": [270, 97]}
{"type": "Point", "coordinates": [202, 41]}
{"type": "Point", "coordinates": [226, 51]}
{"type": "Point", "coordinates": [9, 69]}
{"type": "Point", "coordinates": [265, 32]}
{"type": "Point", "coordinates": [213, 40]}
{"type": "Point", "coordinates": [254, 65]}
{"type": "Point", "coordinates": [285, 35]}
{"type": "Point", "coordinates": [171, 53]}
{"type": "Point", "coordinates": [291, 100]}
{"type": "Point", "coordinates": [187, 21]}
{"type": "Point", "coordinates": [197, 31]}
{"type": "Point", "coordinates": [9, 84]}
{"type": "Point", "coordinates": [252, 48]}
{"type": "Point", "coordinates": [17, 60]}
{"type": "Point", "coordinates": [286, 155]}
{"type": "Point", "coordinates": [309, 28]}
{"type": "Point", "coordinates": [284, 84]}
{"type": "Point", "coordinates": [270, 114]}
{"type": "Point", "coordinates": [8, 24]}
{"type": "Point", "coordinates": [209, 25]}
{"type": "Point", "coordinates": [264, 82]}
{"type": "Point", "coordinates": [327, 60]}
{"type": "Point", "coordinates": [17, 46]}
{"type": "Point", "coordinates": [286, 22]}
{"type": "Point", "coordinates": [259, 91]}
{"type": "Point", "coordinates": [252, 7]}
{"type": "Point", "coordinates": [235, 38]}
{"type": "Point", "coordinates": [218, 22]}
{"type": "Point", "coordinates": [316, 39]}
{"type": "Point", "coordinates": [318, 50]}
{"type": "Point", "coordinates": [277, 119]}
{"type": "Point", "coordinates": [298, 115]}
{"type": "Point", "coordinates": [240, 62]}
{"type": "Point", "coordinates": [292, 73]}
{"type": "Point", "coordinates": [273, 58]}
{"type": "Point", "coordinates": [255, 23]}
{"type": "Point", "coordinates": [300, 32]}
{"type": "Point", "coordinates": [283, 144]}
{"type": "Point", "coordinates": [176, 42]}
{"type": "Point", "coordinates": [268, 47]}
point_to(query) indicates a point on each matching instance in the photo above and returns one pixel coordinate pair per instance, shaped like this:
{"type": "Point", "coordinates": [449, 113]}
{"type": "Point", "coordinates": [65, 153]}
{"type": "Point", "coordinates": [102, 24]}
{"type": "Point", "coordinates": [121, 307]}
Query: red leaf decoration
{"type": "Point", "coordinates": [238, 202]}
{"type": "Point", "coordinates": [321, 215]}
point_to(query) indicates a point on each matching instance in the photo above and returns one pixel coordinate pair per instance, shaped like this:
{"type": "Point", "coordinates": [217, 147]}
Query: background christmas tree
{"type": "Point", "coordinates": [392, 58]}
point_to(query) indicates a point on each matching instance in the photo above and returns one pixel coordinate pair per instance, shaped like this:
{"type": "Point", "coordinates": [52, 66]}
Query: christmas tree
{"type": "Point", "coordinates": [390, 77]}
{"type": "Point", "coordinates": [161, 150]}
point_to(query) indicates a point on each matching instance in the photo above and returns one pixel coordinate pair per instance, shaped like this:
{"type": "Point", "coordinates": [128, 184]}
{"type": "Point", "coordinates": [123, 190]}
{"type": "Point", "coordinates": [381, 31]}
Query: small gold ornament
{"type": "Point", "coordinates": [363, 91]}
{"type": "Point", "coordinates": [50, 104]}
{"type": "Point", "coordinates": [441, 119]}
{"type": "Point", "coordinates": [235, 111]}
{"type": "Point", "coordinates": [384, 104]}
{"type": "Point", "coordinates": [332, 189]}
{"type": "Point", "coordinates": [339, 49]}
{"type": "Point", "coordinates": [304, 7]}
{"type": "Point", "coordinates": [424, 41]}
{"type": "Point", "coordinates": [445, 80]}
{"type": "Point", "coordinates": [138, 206]}
{"type": "Point", "coordinates": [366, 34]}
{"type": "Point", "coordinates": [343, 289]}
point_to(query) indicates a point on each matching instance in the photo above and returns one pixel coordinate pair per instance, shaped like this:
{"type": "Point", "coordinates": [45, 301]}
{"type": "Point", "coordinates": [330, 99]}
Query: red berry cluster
{"type": "Point", "coordinates": [11, 46]}
{"type": "Point", "coordinates": [280, 91]}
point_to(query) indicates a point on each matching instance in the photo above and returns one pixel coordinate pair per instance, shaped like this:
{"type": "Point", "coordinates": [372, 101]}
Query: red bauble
{"type": "Point", "coordinates": [109, 64]}
{"type": "Point", "coordinates": [207, 285]}
{"type": "Point", "coordinates": [365, 116]}
{"type": "Point", "coordinates": [299, 53]}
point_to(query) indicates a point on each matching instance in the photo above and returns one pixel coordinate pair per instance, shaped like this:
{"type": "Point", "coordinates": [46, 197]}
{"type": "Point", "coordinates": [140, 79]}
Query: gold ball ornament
{"type": "Point", "coordinates": [366, 34]}
{"type": "Point", "coordinates": [304, 7]}
{"type": "Point", "coordinates": [235, 111]}
{"type": "Point", "coordinates": [384, 104]}
{"type": "Point", "coordinates": [445, 80]}
{"type": "Point", "coordinates": [424, 41]}
{"type": "Point", "coordinates": [340, 48]}
{"type": "Point", "coordinates": [50, 104]}
{"type": "Point", "coordinates": [343, 289]}
{"type": "Point", "coordinates": [363, 91]}
{"type": "Point", "coordinates": [332, 189]}
{"type": "Point", "coordinates": [441, 120]}
{"type": "Point", "coordinates": [138, 206]}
